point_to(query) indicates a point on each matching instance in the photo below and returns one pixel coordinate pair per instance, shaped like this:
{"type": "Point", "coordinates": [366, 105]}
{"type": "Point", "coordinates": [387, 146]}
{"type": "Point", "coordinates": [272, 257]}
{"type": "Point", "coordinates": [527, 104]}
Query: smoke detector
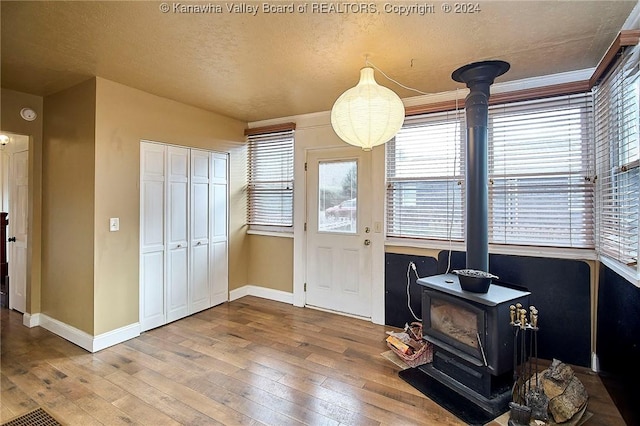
{"type": "Point", "coordinates": [28, 114]}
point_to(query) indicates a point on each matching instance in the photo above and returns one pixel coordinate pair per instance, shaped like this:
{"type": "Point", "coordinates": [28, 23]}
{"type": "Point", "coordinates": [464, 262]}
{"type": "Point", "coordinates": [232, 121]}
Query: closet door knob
{"type": "Point", "coordinates": [12, 239]}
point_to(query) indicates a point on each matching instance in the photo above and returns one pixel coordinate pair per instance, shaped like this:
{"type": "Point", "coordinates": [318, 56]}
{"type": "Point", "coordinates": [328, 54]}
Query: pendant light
{"type": "Point", "coordinates": [368, 114]}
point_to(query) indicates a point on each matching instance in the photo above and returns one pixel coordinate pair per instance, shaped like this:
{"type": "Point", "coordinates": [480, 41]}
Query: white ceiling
{"type": "Point", "coordinates": [269, 65]}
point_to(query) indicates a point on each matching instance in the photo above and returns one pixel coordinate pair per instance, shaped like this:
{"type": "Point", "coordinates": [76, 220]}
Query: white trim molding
{"type": "Point", "coordinates": [263, 292]}
{"type": "Point", "coordinates": [78, 337]}
{"type": "Point", "coordinates": [70, 333]}
{"type": "Point", "coordinates": [287, 234]}
{"type": "Point", "coordinates": [630, 274]}
{"type": "Point", "coordinates": [30, 321]}
{"type": "Point", "coordinates": [595, 362]}
{"type": "Point", "coordinates": [113, 337]}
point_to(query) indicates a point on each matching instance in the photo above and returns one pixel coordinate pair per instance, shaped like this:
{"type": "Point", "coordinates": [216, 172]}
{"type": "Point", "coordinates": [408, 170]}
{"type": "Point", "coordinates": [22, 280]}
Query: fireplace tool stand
{"type": "Point", "coordinates": [528, 400]}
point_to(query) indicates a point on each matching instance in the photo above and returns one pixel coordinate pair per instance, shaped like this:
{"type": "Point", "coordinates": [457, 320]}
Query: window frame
{"type": "Point", "coordinates": [615, 138]}
{"type": "Point", "coordinates": [393, 239]}
{"type": "Point", "coordinates": [261, 184]}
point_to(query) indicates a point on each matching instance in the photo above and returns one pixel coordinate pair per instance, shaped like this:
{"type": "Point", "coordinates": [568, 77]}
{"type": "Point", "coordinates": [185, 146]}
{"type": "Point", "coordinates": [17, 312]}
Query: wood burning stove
{"type": "Point", "coordinates": [472, 339]}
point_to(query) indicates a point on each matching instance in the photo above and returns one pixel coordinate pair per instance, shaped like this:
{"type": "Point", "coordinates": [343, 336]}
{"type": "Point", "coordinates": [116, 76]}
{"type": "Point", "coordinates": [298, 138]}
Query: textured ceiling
{"type": "Point", "coordinates": [269, 65]}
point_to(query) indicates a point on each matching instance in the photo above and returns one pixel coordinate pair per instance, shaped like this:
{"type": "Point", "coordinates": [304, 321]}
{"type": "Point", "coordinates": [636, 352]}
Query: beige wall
{"type": "Point", "coordinates": [11, 103]}
{"type": "Point", "coordinates": [271, 262]}
{"type": "Point", "coordinates": [124, 116]}
{"type": "Point", "coordinates": [68, 206]}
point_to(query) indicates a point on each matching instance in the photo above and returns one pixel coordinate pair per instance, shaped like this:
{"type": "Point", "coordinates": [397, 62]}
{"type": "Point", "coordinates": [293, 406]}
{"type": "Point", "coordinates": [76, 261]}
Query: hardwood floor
{"type": "Point", "coordinates": [251, 361]}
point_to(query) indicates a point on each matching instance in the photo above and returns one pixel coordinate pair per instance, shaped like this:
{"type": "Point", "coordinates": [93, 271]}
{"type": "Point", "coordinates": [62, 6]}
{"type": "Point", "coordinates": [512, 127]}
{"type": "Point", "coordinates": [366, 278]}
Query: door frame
{"type": "Point", "coordinates": [19, 143]}
{"type": "Point", "coordinates": [377, 236]}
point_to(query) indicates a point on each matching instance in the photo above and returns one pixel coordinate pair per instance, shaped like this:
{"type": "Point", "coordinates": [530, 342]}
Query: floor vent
{"type": "Point", "coordinates": [37, 417]}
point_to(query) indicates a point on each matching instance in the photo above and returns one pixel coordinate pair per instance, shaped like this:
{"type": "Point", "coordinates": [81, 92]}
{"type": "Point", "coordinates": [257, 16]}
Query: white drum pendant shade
{"type": "Point", "coordinates": [368, 114]}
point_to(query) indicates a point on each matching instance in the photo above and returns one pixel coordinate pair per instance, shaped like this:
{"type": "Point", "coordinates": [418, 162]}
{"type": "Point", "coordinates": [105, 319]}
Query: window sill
{"type": "Point", "coordinates": [549, 252]}
{"type": "Point", "coordinates": [264, 233]}
{"type": "Point", "coordinates": [628, 273]}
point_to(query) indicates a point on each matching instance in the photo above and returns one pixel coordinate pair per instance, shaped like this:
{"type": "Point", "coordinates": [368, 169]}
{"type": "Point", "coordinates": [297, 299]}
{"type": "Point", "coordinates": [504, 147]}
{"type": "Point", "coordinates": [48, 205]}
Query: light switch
{"type": "Point", "coordinates": [114, 224]}
{"type": "Point", "coordinates": [377, 227]}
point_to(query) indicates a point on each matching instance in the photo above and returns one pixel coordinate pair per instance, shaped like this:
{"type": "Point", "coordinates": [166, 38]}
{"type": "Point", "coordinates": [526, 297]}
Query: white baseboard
{"type": "Point", "coordinates": [239, 293]}
{"type": "Point", "coordinates": [595, 362]}
{"type": "Point", "coordinates": [31, 321]}
{"type": "Point", "coordinates": [113, 337]}
{"type": "Point", "coordinates": [263, 292]}
{"type": "Point", "coordinates": [84, 340]}
{"type": "Point", "coordinates": [64, 330]}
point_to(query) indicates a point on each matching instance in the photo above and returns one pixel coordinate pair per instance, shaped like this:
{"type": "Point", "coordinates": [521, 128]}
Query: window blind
{"type": "Point", "coordinates": [270, 180]}
{"type": "Point", "coordinates": [617, 158]}
{"type": "Point", "coordinates": [541, 190]}
{"type": "Point", "coordinates": [425, 168]}
{"type": "Point", "coordinates": [540, 171]}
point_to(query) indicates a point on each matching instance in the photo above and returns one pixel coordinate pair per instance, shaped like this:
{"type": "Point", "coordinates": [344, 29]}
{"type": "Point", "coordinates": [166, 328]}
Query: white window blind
{"type": "Point", "coordinates": [540, 170]}
{"type": "Point", "coordinates": [617, 157]}
{"type": "Point", "coordinates": [270, 180]}
{"type": "Point", "coordinates": [541, 190]}
{"type": "Point", "coordinates": [424, 178]}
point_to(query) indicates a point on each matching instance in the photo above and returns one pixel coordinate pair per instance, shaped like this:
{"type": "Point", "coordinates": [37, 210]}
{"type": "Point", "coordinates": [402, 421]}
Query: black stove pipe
{"type": "Point", "coordinates": [478, 76]}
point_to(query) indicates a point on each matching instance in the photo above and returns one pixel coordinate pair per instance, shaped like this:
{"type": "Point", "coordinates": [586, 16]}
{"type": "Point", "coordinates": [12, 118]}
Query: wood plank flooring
{"type": "Point", "coordinates": [248, 362]}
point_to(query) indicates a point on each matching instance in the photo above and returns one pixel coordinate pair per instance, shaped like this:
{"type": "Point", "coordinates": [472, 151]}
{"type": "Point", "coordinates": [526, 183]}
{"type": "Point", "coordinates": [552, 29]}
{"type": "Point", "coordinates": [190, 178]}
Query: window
{"type": "Point", "coordinates": [617, 160]}
{"type": "Point", "coordinates": [338, 196]}
{"type": "Point", "coordinates": [270, 180]}
{"type": "Point", "coordinates": [540, 175]}
{"type": "Point", "coordinates": [541, 190]}
{"type": "Point", "coordinates": [424, 178]}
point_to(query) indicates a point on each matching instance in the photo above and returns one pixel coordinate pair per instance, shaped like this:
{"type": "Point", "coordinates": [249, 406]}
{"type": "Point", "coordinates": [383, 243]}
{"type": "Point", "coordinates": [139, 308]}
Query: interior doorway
{"type": "Point", "coordinates": [14, 196]}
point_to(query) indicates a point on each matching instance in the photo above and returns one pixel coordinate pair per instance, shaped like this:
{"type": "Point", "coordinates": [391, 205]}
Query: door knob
{"type": "Point", "coordinates": [12, 239]}
{"type": "Point", "coordinates": [367, 242]}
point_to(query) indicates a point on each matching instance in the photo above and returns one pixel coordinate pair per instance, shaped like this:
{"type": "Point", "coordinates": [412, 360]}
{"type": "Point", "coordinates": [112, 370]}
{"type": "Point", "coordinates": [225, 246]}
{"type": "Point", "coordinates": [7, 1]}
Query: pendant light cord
{"type": "Point", "coordinates": [369, 63]}
{"type": "Point", "coordinates": [453, 199]}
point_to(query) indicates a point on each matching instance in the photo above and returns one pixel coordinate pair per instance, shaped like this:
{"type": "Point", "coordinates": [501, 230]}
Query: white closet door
{"type": "Point", "coordinates": [199, 294]}
{"type": "Point", "coordinates": [219, 270]}
{"type": "Point", "coordinates": [177, 233]}
{"type": "Point", "coordinates": [183, 232]}
{"type": "Point", "coordinates": [152, 254]}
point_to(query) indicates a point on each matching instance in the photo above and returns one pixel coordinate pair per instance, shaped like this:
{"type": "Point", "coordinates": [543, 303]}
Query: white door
{"type": "Point", "coordinates": [219, 270]}
{"type": "Point", "coordinates": [177, 233]}
{"type": "Point", "coordinates": [152, 235]}
{"type": "Point", "coordinates": [200, 210]}
{"type": "Point", "coordinates": [17, 229]}
{"type": "Point", "coordinates": [339, 230]}
{"type": "Point", "coordinates": [183, 232]}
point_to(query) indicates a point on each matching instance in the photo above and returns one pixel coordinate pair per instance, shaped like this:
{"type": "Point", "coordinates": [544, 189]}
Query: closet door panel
{"type": "Point", "coordinates": [200, 211]}
{"type": "Point", "coordinates": [177, 269]}
{"type": "Point", "coordinates": [219, 274]}
{"type": "Point", "coordinates": [152, 235]}
{"type": "Point", "coordinates": [177, 233]}
{"type": "Point", "coordinates": [152, 206]}
{"type": "Point", "coordinates": [199, 279]}
{"type": "Point", "coordinates": [219, 254]}
{"type": "Point", "coordinates": [152, 313]}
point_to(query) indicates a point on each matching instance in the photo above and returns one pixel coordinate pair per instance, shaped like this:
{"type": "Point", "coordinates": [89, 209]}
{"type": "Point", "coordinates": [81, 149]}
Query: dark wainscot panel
{"type": "Point", "coordinates": [395, 283]}
{"type": "Point", "coordinates": [560, 289]}
{"type": "Point", "coordinates": [618, 341]}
